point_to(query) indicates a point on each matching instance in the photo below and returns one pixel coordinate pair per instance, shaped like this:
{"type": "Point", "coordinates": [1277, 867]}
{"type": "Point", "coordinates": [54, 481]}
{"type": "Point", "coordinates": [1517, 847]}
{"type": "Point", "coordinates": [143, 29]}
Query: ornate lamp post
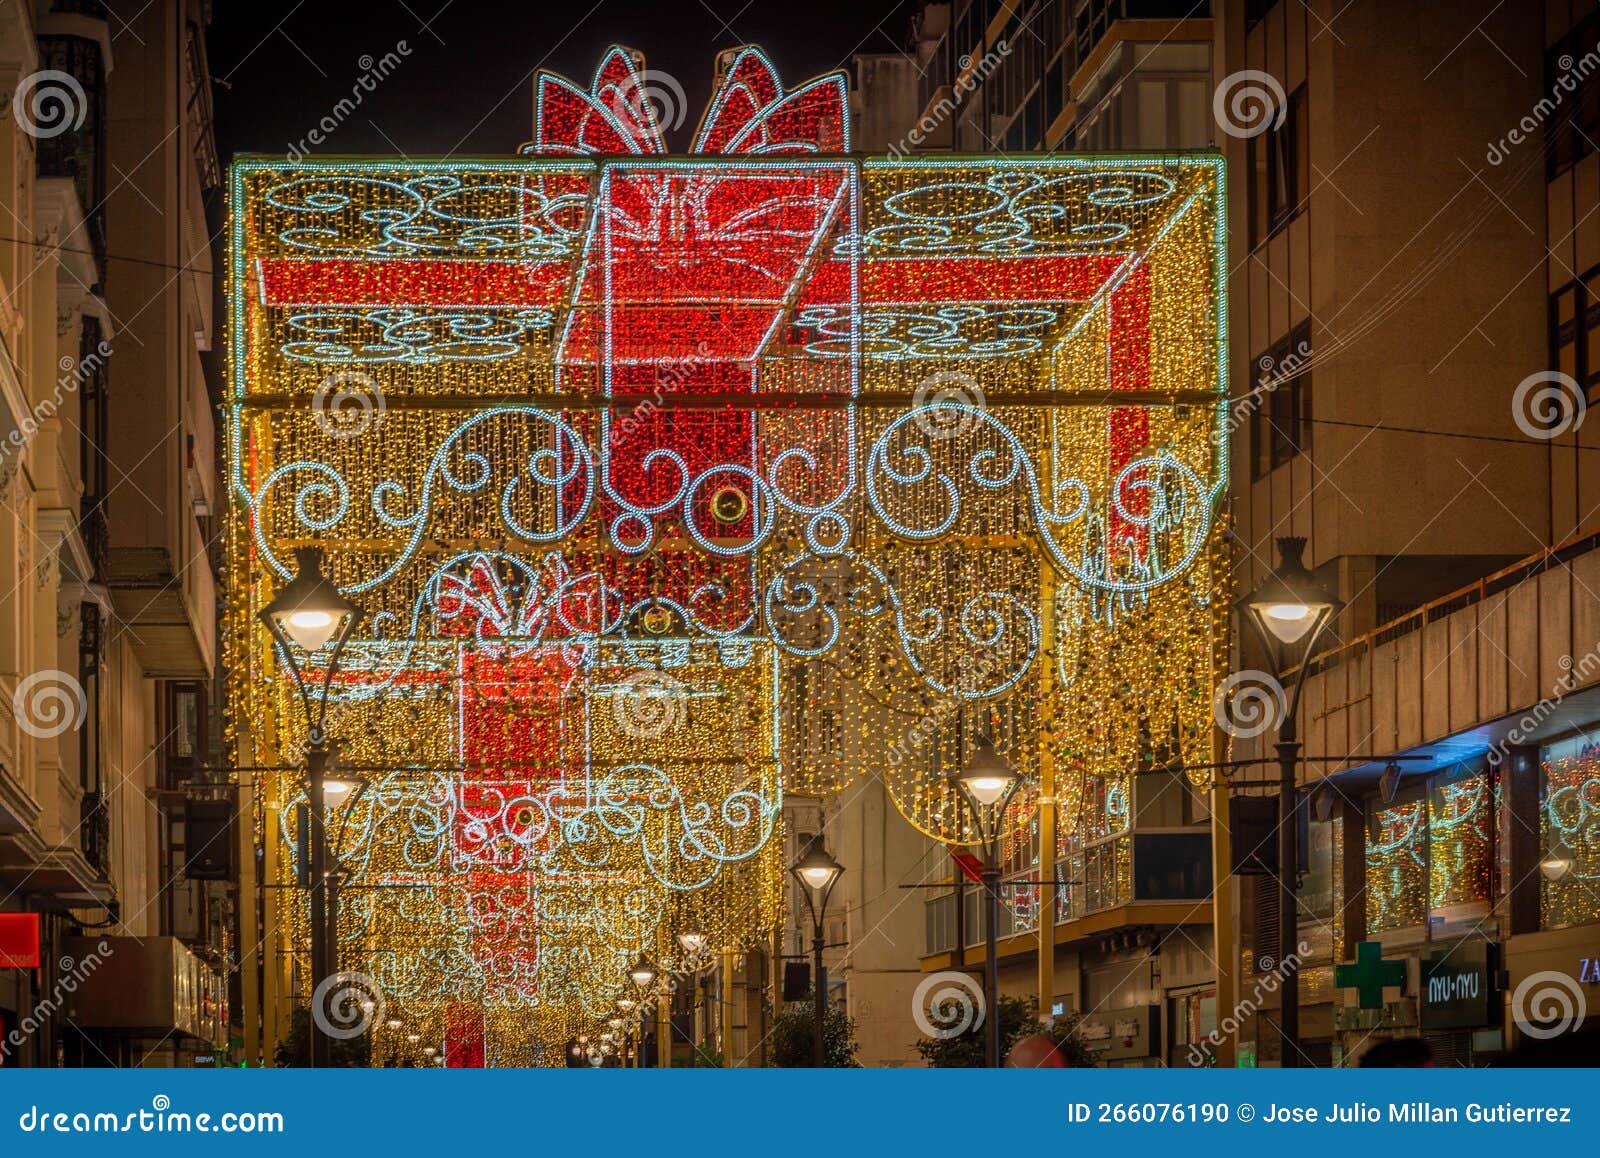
{"type": "Point", "coordinates": [817, 873]}
{"type": "Point", "coordinates": [1290, 612]}
{"type": "Point", "coordinates": [986, 785]}
{"type": "Point", "coordinates": [307, 615]}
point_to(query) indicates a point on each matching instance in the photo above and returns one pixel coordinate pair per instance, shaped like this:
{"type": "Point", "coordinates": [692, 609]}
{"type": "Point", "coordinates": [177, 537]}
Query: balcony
{"type": "Point", "coordinates": [1146, 877]}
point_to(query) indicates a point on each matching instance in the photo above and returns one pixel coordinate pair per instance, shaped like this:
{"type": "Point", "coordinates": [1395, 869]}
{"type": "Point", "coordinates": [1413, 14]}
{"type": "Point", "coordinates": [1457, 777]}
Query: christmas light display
{"type": "Point", "coordinates": [670, 484]}
{"type": "Point", "coordinates": [1569, 832]}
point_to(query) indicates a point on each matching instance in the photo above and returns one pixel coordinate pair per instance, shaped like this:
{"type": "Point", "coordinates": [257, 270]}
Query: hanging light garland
{"type": "Point", "coordinates": [671, 483]}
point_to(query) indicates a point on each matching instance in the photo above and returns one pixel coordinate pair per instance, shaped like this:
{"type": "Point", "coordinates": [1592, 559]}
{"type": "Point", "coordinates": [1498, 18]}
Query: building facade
{"type": "Point", "coordinates": [112, 881]}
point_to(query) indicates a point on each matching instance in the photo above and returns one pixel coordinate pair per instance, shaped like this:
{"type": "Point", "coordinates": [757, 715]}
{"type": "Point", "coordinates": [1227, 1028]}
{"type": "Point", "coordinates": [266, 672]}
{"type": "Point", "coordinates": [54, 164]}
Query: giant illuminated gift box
{"type": "Point", "coordinates": [783, 451]}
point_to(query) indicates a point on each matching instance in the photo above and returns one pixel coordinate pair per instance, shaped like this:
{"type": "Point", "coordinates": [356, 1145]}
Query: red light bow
{"type": "Point", "coordinates": [750, 113]}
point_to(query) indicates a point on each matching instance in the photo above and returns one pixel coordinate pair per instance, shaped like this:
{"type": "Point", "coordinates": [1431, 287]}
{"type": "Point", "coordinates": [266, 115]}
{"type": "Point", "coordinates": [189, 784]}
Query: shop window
{"type": "Point", "coordinates": [1460, 843]}
{"type": "Point", "coordinates": [1397, 865]}
{"type": "Point", "coordinates": [1569, 834]}
{"type": "Point", "coordinates": [1431, 854]}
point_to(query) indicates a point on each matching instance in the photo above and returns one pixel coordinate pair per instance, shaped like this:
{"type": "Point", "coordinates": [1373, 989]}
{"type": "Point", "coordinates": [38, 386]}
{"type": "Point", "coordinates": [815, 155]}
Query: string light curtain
{"type": "Point", "coordinates": [670, 483]}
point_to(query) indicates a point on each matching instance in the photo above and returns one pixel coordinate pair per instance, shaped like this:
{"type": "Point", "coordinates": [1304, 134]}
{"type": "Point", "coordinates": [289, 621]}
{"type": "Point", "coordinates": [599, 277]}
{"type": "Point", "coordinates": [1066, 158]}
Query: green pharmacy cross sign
{"type": "Point", "coordinates": [1370, 975]}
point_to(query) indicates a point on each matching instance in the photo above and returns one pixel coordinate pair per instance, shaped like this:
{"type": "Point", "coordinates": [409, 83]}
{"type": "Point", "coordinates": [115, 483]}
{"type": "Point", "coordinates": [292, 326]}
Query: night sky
{"type": "Point", "coordinates": [466, 88]}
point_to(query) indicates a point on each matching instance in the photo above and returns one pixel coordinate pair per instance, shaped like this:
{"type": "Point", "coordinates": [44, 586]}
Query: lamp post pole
{"type": "Point", "coordinates": [316, 812]}
{"type": "Point", "coordinates": [1289, 612]}
{"type": "Point", "coordinates": [991, 963]}
{"type": "Point", "coordinates": [819, 1051]}
{"type": "Point", "coordinates": [307, 614]}
{"type": "Point", "coordinates": [986, 784]}
{"type": "Point", "coordinates": [817, 873]}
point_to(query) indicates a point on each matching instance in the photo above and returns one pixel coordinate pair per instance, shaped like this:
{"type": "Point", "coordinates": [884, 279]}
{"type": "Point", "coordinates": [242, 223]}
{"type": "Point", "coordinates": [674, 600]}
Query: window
{"type": "Point", "coordinates": [1279, 171]}
{"type": "Point", "coordinates": [1575, 330]}
{"type": "Point", "coordinates": [1569, 834]}
{"type": "Point", "coordinates": [1280, 420]}
{"type": "Point", "coordinates": [1572, 81]}
{"type": "Point", "coordinates": [1430, 854]}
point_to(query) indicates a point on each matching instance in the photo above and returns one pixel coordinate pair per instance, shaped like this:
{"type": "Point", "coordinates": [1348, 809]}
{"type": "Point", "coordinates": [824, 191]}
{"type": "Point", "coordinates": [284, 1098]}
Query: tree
{"type": "Point", "coordinates": [794, 1035]}
{"type": "Point", "coordinates": [294, 1051]}
{"type": "Point", "coordinates": [970, 1049]}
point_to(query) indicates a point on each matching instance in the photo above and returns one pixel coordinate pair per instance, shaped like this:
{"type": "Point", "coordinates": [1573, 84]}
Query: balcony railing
{"type": "Point", "coordinates": [94, 831]}
{"type": "Point", "coordinates": [1161, 865]}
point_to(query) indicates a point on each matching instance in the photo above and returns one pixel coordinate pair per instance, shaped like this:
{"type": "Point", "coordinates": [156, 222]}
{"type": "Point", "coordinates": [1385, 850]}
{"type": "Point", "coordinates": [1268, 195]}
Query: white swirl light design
{"type": "Point", "coordinates": [1548, 1004]}
{"type": "Point", "coordinates": [49, 703]}
{"type": "Point", "coordinates": [1248, 703]}
{"type": "Point", "coordinates": [947, 1005]}
{"type": "Point", "coordinates": [1157, 495]}
{"type": "Point", "coordinates": [344, 1005]}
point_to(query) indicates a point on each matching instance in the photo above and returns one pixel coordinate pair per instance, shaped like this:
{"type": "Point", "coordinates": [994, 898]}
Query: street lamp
{"type": "Point", "coordinates": [817, 873]}
{"type": "Point", "coordinates": [307, 614]}
{"type": "Point", "coordinates": [1290, 612]}
{"type": "Point", "coordinates": [643, 973]}
{"type": "Point", "coordinates": [986, 784]}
